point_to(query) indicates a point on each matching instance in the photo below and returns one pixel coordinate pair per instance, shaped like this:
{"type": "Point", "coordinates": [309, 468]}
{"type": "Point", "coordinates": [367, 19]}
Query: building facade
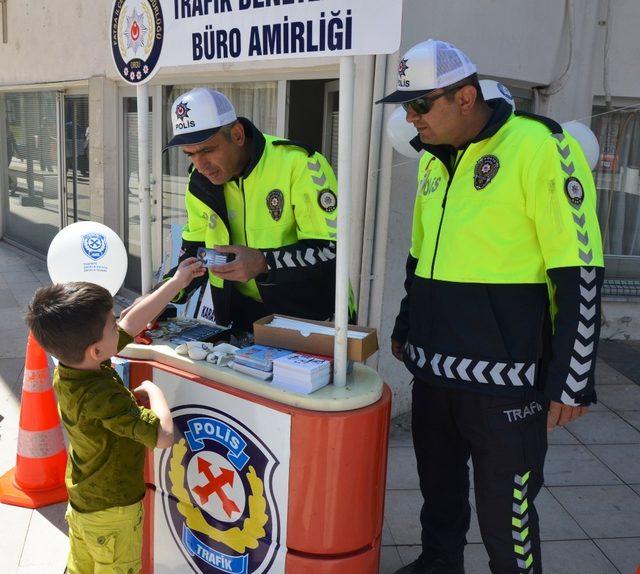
{"type": "Point", "coordinates": [68, 131]}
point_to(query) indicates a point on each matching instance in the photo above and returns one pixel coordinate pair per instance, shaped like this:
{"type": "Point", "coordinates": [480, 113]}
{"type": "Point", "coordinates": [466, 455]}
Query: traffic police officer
{"type": "Point", "coordinates": [500, 321]}
{"type": "Point", "coordinates": [269, 202]}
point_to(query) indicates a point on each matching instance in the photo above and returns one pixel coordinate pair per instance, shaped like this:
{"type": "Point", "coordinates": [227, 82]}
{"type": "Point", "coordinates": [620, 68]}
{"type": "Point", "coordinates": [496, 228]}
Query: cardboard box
{"type": "Point", "coordinates": [357, 349]}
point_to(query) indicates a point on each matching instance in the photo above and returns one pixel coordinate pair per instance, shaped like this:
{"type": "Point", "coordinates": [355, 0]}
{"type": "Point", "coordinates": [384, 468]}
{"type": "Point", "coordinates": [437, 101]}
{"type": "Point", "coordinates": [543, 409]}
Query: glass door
{"type": "Point", "coordinates": [32, 200]}
{"type": "Point", "coordinates": [131, 196]}
{"type": "Point", "coordinates": [76, 139]}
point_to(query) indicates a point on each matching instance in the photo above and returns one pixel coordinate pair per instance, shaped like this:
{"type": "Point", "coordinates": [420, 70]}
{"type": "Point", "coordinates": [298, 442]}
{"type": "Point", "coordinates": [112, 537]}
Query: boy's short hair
{"type": "Point", "coordinates": [66, 318]}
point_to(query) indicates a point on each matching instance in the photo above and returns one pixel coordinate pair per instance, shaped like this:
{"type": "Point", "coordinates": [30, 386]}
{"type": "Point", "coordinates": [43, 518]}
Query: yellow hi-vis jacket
{"type": "Point", "coordinates": [284, 204]}
{"type": "Point", "coordinates": [505, 266]}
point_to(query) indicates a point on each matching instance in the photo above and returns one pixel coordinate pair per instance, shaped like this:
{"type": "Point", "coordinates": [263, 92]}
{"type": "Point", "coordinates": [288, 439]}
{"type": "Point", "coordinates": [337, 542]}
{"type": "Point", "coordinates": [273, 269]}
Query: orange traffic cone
{"type": "Point", "coordinates": [38, 477]}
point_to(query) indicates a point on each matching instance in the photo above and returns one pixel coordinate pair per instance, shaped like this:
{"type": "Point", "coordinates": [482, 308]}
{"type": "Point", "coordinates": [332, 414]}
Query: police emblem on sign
{"type": "Point", "coordinates": [217, 498]}
{"type": "Point", "coordinates": [486, 168]}
{"type": "Point", "coordinates": [275, 204]}
{"type": "Point", "coordinates": [327, 200]}
{"type": "Point", "coordinates": [137, 33]}
{"type": "Point", "coordinates": [94, 245]}
{"type": "Point", "coordinates": [574, 190]}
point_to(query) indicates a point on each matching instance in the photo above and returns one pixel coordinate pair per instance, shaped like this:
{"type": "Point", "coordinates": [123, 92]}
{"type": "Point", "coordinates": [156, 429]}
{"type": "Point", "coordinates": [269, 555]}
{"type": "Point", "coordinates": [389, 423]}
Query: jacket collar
{"type": "Point", "coordinates": [257, 145]}
{"type": "Point", "coordinates": [501, 112]}
{"type": "Point", "coordinates": [71, 373]}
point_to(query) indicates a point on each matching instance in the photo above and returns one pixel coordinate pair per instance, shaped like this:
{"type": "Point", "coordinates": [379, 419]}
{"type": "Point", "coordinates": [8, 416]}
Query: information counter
{"type": "Point", "coordinates": [261, 479]}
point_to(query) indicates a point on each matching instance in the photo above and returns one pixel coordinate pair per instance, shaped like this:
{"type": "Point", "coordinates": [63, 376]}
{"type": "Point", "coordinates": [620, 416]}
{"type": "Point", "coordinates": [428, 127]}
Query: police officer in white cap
{"type": "Point", "coordinates": [268, 203]}
{"type": "Point", "coordinates": [500, 321]}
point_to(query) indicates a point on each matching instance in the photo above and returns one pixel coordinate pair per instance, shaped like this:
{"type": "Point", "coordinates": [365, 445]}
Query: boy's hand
{"type": "Point", "coordinates": [151, 393]}
{"type": "Point", "coordinates": [141, 393]}
{"type": "Point", "coordinates": [188, 270]}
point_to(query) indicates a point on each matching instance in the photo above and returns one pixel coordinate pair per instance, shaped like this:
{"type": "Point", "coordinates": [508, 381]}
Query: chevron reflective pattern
{"type": "Point", "coordinates": [320, 179]}
{"type": "Point", "coordinates": [585, 253]}
{"type": "Point", "coordinates": [333, 224]}
{"type": "Point", "coordinates": [584, 344]}
{"type": "Point", "coordinates": [301, 257]}
{"type": "Point", "coordinates": [520, 524]}
{"type": "Point", "coordinates": [472, 370]}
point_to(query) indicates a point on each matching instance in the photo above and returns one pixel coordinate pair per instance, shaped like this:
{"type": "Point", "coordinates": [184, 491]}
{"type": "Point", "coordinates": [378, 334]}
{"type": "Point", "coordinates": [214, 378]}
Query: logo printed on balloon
{"type": "Point", "coordinates": [504, 91]}
{"type": "Point", "coordinates": [492, 90]}
{"type": "Point", "coordinates": [94, 245]}
{"type": "Point", "coordinates": [88, 251]}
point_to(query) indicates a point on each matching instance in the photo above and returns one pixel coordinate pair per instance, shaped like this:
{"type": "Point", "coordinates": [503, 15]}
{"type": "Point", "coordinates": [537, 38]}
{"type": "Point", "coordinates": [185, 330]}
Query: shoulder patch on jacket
{"type": "Point", "coordinates": [306, 147]}
{"type": "Point", "coordinates": [554, 127]}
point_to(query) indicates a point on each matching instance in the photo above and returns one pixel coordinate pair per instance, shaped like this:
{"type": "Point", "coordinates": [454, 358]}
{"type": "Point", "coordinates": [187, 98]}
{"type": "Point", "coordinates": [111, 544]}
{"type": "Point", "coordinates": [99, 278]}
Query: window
{"type": "Point", "coordinates": [80, 205]}
{"type": "Point", "coordinates": [617, 178]}
{"type": "Point", "coordinates": [133, 279]}
{"type": "Point", "coordinates": [33, 206]}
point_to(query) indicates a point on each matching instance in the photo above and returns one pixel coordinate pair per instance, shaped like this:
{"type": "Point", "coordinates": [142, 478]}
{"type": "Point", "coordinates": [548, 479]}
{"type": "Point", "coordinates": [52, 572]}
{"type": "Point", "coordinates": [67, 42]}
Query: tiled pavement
{"type": "Point", "coordinates": [590, 506]}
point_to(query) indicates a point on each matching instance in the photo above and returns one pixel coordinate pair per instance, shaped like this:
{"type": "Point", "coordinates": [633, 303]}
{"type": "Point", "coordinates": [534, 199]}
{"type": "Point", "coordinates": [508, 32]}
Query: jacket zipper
{"type": "Point", "coordinates": [244, 208]}
{"type": "Point", "coordinates": [444, 205]}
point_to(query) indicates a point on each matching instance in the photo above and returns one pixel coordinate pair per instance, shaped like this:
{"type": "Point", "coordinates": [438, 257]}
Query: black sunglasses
{"type": "Point", "coordinates": [424, 104]}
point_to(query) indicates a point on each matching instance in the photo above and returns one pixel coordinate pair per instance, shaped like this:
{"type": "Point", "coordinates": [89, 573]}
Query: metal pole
{"type": "Point", "coordinates": [142, 94]}
{"type": "Point", "coordinates": [347, 82]}
{"type": "Point", "coordinates": [5, 24]}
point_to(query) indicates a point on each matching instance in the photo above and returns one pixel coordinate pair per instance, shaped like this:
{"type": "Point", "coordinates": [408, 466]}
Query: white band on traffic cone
{"type": "Point", "coordinates": [40, 444]}
{"type": "Point", "coordinates": [36, 380]}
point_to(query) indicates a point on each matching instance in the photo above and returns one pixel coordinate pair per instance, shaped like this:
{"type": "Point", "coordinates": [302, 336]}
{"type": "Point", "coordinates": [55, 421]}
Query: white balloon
{"type": "Point", "coordinates": [401, 132]}
{"type": "Point", "coordinates": [587, 140]}
{"type": "Point", "coordinates": [88, 251]}
{"type": "Point", "coordinates": [492, 89]}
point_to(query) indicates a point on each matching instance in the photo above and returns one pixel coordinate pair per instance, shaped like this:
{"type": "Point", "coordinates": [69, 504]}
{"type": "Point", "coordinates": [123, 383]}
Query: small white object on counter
{"type": "Point", "coordinates": [220, 354]}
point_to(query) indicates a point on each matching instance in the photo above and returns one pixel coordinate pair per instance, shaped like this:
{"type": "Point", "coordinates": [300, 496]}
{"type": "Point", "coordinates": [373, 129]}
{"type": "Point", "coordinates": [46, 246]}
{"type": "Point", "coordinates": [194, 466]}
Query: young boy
{"type": "Point", "coordinates": [107, 430]}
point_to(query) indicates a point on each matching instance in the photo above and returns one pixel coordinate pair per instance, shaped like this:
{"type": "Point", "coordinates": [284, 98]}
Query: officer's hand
{"type": "Point", "coordinates": [560, 415]}
{"type": "Point", "coordinates": [397, 349]}
{"type": "Point", "coordinates": [249, 263]}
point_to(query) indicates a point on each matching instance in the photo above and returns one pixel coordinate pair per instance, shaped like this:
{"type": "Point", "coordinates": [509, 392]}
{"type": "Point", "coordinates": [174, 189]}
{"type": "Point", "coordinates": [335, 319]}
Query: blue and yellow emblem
{"type": "Point", "coordinates": [94, 245]}
{"type": "Point", "coordinates": [217, 498]}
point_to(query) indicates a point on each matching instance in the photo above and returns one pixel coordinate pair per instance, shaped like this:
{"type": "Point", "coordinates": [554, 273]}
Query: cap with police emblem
{"type": "Point", "coordinates": [428, 66]}
{"type": "Point", "coordinates": [198, 115]}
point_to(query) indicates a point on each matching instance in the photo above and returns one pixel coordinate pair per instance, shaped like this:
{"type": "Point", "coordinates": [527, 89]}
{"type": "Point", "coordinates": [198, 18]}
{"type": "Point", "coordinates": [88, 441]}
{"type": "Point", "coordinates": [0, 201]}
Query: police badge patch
{"type": "Point", "coordinates": [486, 168]}
{"type": "Point", "coordinates": [327, 200]}
{"type": "Point", "coordinates": [275, 204]}
{"type": "Point", "coordinates": [574, 190]}
{"type": "Point", "coordinates": [217, 480]}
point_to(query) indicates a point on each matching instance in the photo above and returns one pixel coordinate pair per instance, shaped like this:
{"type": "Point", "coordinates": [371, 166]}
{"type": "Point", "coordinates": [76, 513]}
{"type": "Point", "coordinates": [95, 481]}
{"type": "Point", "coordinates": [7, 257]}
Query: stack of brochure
{"type": "Point", "coordinates": [257, 360]}
{"type": "Point", "coordinates": [302, 373]}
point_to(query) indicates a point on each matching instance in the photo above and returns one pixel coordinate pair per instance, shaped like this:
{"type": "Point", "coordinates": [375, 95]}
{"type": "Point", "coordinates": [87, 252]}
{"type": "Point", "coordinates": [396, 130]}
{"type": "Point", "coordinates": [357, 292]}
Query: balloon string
{"type": "Point", "coordinates": [629, 107]}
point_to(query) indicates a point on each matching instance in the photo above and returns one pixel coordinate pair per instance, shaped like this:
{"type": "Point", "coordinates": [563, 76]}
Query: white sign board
{"type": "Point", "coordinates": [149, 34]}
{"type": "Point", "coordinates": [204, 31]}
{"type": "Point", "coordinates": [222, 490]}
